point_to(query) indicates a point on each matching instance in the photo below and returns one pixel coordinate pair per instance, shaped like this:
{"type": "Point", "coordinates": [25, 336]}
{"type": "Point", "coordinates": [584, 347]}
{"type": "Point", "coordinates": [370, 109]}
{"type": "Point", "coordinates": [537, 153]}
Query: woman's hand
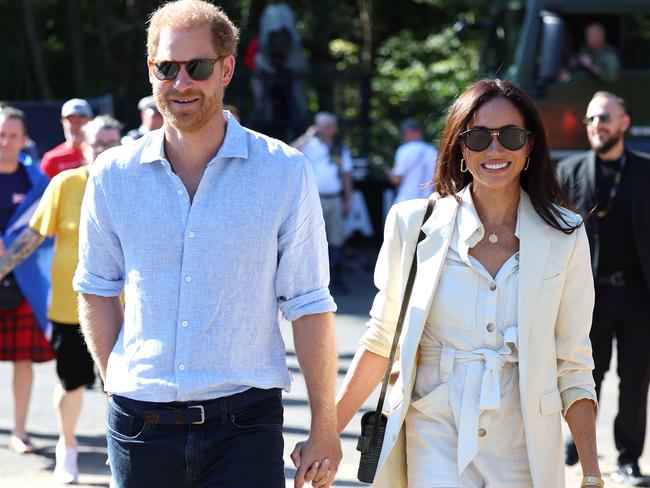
{"type": "Point", "coordinates": [318, 474]}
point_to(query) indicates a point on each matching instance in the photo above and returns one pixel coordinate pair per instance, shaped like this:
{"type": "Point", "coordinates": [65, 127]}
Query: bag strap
{"type": "Point", "coordinates": [398, 329]}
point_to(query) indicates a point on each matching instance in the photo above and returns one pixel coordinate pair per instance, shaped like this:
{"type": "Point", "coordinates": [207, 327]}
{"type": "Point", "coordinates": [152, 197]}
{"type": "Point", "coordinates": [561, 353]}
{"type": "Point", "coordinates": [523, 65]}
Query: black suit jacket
{"type": "Point", "coordinates": [578, 176]}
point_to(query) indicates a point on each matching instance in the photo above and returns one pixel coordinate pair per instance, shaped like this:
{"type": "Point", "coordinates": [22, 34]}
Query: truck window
{"type": "Point", "coordinates": [502, 39]}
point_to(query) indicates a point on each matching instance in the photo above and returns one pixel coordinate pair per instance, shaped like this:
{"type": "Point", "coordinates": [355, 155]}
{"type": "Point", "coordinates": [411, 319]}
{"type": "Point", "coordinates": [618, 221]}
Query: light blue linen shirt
{"type": "Point", "coordinates": [203, 280]}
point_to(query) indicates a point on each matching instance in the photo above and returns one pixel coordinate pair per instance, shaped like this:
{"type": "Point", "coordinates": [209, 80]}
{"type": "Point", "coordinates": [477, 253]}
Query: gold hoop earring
{"type": "Point", "coordinates": [463, 166]}
{"type": "Point", "coordinates": [527, 163]}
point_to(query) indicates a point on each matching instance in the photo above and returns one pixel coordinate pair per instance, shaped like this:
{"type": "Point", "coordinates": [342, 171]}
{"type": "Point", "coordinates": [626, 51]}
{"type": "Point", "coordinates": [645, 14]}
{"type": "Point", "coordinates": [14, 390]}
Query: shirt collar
{"type": "Point", "coordinates": [470, 228]}
{"type": "Point", "coordinates": [234, 143]}
{"type": "Point", "coordinates": [469, 225]}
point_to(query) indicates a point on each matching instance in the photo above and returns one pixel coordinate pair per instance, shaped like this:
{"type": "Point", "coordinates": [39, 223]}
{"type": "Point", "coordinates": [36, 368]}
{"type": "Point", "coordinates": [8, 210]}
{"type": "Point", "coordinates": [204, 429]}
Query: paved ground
{"type": "Point", "coordinates": [34, 471]}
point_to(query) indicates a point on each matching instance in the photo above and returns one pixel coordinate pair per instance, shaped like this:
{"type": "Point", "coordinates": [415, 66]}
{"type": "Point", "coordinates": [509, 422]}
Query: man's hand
{"type": "Point", "coordinates": [315, 345]}
{"type": "Point", "coordinates": [317, 460]}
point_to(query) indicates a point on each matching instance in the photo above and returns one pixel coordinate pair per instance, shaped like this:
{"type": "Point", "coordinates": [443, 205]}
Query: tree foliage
{"type": "Point", "coordinates": [58, 49]}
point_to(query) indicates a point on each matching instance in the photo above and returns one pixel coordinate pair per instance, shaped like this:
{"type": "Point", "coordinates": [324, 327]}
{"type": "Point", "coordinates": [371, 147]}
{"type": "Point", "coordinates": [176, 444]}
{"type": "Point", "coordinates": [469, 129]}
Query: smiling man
{"type": "Point", "coordinates": [75, 114]}
{"type": "Point", "coordinates": [614, 179]}
{"type": "Point", "coordinates": [210, 229]}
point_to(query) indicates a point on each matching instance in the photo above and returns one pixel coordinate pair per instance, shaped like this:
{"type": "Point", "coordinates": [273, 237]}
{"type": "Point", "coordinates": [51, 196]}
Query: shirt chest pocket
{"type": "Point", "coordinates": [454, 303]}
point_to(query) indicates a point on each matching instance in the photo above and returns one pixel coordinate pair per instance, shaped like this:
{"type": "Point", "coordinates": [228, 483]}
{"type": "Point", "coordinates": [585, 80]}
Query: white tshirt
{"type": "Point", "coordinates": [326, 170]}
{"type": "Point", "coordinates": [414, 162]}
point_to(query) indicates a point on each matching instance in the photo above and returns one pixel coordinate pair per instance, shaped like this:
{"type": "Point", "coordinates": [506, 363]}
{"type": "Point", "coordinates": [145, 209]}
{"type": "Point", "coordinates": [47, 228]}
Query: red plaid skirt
{"type": "Point", "coordinates": [21, 338]}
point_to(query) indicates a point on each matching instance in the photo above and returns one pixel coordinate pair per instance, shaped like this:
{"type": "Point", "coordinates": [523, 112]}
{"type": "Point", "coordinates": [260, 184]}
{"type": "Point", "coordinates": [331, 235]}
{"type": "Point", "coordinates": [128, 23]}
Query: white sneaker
{"type": "Point", "coordinates": [65, 471]}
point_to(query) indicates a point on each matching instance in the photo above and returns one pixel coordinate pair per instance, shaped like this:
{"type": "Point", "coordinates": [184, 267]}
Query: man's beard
{"type": "Point", "coordinates": [192, 121]}
{"type": "Point", "coordinates": [609, 143]}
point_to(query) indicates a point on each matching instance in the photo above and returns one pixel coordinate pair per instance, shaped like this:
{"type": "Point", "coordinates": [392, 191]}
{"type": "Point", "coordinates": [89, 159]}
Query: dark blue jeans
{"type": "Point", "coordinates": [236, 448]}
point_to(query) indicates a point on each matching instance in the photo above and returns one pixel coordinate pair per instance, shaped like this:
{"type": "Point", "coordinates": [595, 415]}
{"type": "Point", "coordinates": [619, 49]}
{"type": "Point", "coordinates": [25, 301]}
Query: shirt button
{"type": "Point", "coordinates": [184, 323]}
{"type": "Point", "coordinates": [493, 286]}
{"type": "Point", "coordinates": [482, 432]}
{"type": "Point", "coordinates": [179, 191]}
{"type": "Point", "coordinates": [191, 234]}
{"type": "Point", "coordinates": [490, 327]}
{"type": "Point", "coordinates": [188, 278]}
{"type": "Point", "coordinates": [181, 367]}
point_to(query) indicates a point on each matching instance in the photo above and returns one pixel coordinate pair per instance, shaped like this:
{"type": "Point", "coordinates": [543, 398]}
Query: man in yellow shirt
{"type": "Point", "coordinates": [57, 215]}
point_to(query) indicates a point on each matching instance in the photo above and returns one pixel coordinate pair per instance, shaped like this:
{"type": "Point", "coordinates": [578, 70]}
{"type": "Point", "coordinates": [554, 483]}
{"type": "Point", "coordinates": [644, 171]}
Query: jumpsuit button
{"type": "Point", "coordinates": [491, 327]}
{"type": "Point", "coordinates": [482, 432]}
{"type": "Point", "coordinates": [493, 286]}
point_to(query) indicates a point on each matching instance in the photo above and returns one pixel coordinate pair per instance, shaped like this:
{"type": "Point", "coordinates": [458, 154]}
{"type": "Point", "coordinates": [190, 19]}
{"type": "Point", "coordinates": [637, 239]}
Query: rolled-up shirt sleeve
{"type": "Point", "coordinates": [101, 263]}
{"type": "Point", "coordinates": [302, 277]}
{"type": "Point", "coordinates": [572, 395]}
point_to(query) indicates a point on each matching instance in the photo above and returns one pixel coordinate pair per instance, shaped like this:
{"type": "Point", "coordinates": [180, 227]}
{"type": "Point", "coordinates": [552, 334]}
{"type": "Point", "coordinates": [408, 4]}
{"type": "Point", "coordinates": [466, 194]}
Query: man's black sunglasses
{"type": "Point", "coordinates": [604, 117]}
{"type": "Point", "coordinates": [198, 69]}
{"type": "Point", "coordinates": [510, 137]}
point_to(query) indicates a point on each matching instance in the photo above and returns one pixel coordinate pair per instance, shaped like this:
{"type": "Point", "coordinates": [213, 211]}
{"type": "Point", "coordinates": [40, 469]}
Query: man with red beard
{"type": "Point", "coordinates": [611, 182]}
{"type": "Point", "coordinates": [210, 229]}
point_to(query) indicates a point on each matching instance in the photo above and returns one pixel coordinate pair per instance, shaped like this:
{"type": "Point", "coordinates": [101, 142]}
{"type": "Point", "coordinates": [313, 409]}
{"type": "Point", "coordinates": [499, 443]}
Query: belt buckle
{"type": "Point", "coordinates": [617, 279]}
{"type": "Point", "coordinates": [202, 410]}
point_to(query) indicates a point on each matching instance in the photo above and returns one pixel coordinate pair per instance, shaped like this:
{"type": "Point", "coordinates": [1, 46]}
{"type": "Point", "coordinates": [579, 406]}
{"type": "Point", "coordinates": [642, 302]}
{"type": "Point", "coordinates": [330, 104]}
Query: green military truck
{"type": "Point", "coordinates": [531, 42]}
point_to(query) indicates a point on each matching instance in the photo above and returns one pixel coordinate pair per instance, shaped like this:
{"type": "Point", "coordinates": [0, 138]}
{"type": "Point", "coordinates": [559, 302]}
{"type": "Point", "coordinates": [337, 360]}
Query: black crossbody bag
{"type": "Point", "coordinates": [373, 424]}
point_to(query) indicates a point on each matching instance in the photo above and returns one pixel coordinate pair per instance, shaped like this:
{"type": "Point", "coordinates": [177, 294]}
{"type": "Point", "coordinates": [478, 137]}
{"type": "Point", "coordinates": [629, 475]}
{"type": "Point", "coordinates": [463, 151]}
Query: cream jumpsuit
{"type": "Point", "coordinates": [464, 427]}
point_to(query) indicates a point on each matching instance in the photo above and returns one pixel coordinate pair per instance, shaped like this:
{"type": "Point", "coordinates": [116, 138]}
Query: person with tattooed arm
{"type": "Point", "coordinates": [57, 215]}
{"type": "Point", "coordinates": [23, 293]}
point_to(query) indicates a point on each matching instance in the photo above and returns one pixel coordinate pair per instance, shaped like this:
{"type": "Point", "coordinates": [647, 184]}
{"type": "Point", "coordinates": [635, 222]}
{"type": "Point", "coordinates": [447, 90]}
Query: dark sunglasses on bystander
{"type": "Point", "coordinates": [198, 69]}
{"type": "Point", "coordinates": [604, 117]}
{"type": "Point", "coordinates": [510, 137]}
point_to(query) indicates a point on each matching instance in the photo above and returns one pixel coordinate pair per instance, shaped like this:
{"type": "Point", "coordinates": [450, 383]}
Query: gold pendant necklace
{"type": "Point", "coordinates": [493, 238]}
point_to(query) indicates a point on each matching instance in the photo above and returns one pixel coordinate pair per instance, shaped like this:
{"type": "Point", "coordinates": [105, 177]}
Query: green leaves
{"type": "Point", "coordinates": [417, 77]}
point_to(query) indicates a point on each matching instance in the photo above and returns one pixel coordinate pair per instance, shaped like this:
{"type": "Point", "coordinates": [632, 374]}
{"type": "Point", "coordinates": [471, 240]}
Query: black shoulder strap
{"type": "Point", "coordinates": [400, 323]}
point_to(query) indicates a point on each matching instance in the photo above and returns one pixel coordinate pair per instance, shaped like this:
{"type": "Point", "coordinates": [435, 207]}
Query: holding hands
{"type": "Point", "coordinates": [317, 460]}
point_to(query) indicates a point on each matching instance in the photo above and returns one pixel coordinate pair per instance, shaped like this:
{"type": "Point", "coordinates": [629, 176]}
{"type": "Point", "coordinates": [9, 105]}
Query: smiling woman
{"type": "Point", "coordinates": [495, 339]}
{"type": "Point", "coordinates": [497, 105]}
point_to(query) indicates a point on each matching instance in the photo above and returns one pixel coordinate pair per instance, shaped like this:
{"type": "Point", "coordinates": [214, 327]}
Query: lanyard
{"type": "Point", "coordinates": [612, 192]}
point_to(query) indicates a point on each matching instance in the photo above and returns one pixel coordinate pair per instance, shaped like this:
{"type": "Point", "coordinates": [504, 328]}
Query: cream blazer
{"type": "Point", "coordinates": [556, 298]}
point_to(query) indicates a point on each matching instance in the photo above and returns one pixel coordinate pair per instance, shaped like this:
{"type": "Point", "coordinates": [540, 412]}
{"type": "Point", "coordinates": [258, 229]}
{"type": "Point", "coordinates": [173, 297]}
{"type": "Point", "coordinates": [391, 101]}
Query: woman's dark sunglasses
{"type": "Point", "coordinates": [510, 137]}
{"type": "Point", "coordinates": [198, 69]}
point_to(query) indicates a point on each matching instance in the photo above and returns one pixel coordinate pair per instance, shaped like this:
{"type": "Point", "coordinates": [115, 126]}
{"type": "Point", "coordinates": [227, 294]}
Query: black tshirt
{"type": "Point", "coordinates": [617, 248]}
{"type": "Point", "coordinates": [13, 188]}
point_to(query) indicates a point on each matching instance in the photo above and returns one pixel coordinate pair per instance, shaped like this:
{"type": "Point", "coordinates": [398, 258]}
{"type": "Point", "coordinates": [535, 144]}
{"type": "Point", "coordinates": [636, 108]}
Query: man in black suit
{"type": "Point", "coordinates": [610, 185]}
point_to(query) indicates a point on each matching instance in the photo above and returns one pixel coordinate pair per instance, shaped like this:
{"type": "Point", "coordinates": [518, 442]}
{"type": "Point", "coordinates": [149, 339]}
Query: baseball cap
{"type": "Point", "coordinates": [76, 106]}
{"type": "Point", "coordinates": [147, 103]}
{"type": "Point", "coordinates": [410, 123]}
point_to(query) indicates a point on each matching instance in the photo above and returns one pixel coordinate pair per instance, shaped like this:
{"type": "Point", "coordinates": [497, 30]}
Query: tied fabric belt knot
{"type": "Point", "coordinates": [481, 390]}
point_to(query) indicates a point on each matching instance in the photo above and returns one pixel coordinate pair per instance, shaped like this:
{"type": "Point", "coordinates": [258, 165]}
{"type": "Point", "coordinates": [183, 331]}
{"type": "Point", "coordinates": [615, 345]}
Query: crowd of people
{"type": "Point", "coordinates": [138, 255]}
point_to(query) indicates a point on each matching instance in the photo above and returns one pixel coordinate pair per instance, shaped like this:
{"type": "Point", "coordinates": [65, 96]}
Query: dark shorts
{"type": "Point", "coordinates": [239, 445]}
{"type": "Point", "coordinates": [21, 339]}
{"type": "Point", "coordinates": [74, 365]}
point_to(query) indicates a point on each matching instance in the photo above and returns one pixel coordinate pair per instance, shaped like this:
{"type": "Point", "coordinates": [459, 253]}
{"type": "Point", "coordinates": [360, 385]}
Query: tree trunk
{"type": "Point", "coordinates": [75, 27]}
{"type": "Point", "coordinates": [102, 17]}
{"type": "Point", "coordinates": [365, 17]}
{"type": "Point", "coordinates": [35, 48]}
